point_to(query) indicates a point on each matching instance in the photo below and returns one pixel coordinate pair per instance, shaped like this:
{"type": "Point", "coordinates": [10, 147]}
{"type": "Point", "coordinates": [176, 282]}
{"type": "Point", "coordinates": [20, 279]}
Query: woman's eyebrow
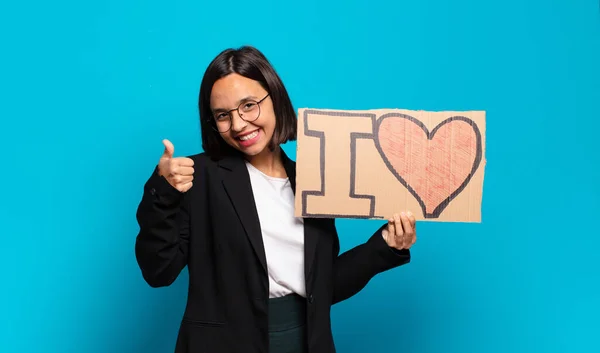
{"type": "Point", "coordinates": [247, 98]}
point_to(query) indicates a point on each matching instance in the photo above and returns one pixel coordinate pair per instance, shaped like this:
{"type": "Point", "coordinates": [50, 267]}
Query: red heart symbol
{"type": "Point", "coordinates": [434, 166]}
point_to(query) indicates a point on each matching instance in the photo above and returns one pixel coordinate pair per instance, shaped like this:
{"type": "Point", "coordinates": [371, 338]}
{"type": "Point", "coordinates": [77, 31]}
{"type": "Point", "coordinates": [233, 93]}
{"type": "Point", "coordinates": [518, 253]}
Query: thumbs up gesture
{"type": "Point", "coordinates": [179, 171]}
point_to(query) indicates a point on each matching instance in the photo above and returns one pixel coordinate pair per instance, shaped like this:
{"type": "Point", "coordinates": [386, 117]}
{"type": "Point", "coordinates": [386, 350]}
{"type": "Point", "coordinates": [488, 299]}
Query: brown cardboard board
{"type": "Point", "coordinates": [374, 163]}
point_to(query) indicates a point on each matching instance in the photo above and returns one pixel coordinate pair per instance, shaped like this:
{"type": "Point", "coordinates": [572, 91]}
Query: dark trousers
{"type": "Point", "coordinates": [287, 329]}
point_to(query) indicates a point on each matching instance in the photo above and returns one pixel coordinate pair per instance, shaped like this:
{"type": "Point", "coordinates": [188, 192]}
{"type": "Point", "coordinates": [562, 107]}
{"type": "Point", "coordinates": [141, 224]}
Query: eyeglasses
{"type": "Point", "coordinates": [248, 110]}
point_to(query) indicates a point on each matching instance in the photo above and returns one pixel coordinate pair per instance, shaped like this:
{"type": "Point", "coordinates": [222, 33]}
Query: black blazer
{"type": "Point", "coordinates": [214, 229]}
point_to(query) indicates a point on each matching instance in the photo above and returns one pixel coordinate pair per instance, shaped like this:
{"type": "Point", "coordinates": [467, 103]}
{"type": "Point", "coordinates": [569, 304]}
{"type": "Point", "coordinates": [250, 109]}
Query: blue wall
{"type": "Point", "coordinates": [89, 89]}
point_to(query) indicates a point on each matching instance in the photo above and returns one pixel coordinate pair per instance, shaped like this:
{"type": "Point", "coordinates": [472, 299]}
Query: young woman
{"type": "Point", "coordinates": [260, 279]}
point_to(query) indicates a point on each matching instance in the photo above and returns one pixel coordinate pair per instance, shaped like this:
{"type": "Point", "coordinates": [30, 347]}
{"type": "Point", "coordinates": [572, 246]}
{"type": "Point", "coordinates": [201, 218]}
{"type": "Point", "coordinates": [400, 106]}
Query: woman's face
{"type": "Point", "coordinates": [235, 94]}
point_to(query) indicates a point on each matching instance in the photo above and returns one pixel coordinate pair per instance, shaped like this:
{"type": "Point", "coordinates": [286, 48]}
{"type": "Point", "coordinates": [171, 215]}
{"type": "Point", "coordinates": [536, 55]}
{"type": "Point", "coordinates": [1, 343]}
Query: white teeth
{"type": "Point", "coordinates": [250, 136]}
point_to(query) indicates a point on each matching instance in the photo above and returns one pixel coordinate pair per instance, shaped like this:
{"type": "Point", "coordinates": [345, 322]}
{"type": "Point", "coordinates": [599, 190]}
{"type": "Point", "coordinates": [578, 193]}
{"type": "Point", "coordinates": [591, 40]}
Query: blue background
{"type": "Point", "coordinates": [89, 89]}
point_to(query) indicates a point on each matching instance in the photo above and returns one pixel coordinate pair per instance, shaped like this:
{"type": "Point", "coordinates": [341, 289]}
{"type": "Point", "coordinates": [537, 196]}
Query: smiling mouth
{"type": "Point", "coordinates": [248, 136]}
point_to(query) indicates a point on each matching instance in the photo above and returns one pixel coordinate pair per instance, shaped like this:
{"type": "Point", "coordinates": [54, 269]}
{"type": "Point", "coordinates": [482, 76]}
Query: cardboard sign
{"type": "Point", "coordinates": [374, 163]}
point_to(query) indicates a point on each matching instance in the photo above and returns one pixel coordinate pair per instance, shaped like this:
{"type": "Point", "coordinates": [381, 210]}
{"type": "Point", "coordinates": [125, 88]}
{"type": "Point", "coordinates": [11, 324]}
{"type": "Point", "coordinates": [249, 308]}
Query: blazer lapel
{"type": "Point", "coordinates": [236, 181]}
{"type": "Point", "coordinates": [310, 232]}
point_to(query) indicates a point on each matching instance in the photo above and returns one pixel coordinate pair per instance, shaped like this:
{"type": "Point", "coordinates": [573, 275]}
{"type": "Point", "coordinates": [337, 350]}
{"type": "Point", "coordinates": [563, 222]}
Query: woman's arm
{"type": "Point", "coordinates": [161, 245]}
{"type": "Point", "coordinates": [354, 268]}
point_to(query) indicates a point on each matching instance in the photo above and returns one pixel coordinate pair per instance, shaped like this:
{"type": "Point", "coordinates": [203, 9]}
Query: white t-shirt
{"type": "Point", "coordinates": [283, 234]}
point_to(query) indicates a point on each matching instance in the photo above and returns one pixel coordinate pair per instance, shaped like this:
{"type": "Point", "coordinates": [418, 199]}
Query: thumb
{"type": "Point", "coordinates": [169, 149]}
{"type": "Point", "coordinates": [386, 236]}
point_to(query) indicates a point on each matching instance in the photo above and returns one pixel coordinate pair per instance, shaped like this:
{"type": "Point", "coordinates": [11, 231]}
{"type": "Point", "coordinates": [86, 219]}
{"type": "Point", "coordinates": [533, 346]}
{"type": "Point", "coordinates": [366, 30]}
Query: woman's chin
{"type": "Point", "coordinates": [253, 150]}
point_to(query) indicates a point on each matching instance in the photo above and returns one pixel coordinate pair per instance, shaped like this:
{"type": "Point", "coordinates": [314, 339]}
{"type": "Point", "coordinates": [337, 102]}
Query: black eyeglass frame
{"type": "Point", "coordinates": [213, 123]}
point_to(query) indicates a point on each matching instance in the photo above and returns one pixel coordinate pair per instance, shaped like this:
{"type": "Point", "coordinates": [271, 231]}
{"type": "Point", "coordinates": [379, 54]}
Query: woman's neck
{"type": "Point", "coordinates": [269, 162]}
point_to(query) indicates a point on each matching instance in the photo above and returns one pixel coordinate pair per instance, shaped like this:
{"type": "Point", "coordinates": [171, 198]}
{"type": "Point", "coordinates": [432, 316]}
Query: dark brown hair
{"type": "Point", "coordinates": [249, 62]}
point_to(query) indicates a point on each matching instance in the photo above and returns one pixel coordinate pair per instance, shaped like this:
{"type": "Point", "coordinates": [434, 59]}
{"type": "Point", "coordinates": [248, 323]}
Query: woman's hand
{"type": "Point", "coordinates": [401, 232]}
{"type": "Point", "coordinates": [179, 171]}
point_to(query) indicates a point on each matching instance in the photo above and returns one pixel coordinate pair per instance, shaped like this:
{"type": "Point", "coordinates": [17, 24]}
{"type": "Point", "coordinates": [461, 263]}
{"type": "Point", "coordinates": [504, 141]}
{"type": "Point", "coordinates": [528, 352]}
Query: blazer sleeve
{"type": "Point", "coordinates": [161, 246]}
{"type": "Point", "coordinates": [354, 268]}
